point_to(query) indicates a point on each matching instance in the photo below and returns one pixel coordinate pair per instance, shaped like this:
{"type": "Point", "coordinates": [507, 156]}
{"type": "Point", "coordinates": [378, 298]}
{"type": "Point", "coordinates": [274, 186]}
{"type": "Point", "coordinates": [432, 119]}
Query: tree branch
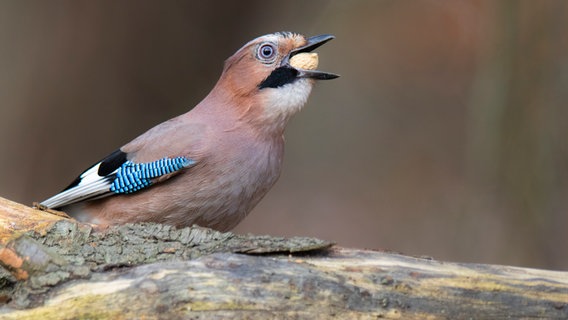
{"type": "Point", "coordinates": [156, 271]}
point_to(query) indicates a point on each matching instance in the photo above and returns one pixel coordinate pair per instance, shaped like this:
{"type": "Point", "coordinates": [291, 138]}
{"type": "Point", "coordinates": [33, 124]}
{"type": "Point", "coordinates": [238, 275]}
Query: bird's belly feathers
{"type": "Point", "coordinates": [223, 201]}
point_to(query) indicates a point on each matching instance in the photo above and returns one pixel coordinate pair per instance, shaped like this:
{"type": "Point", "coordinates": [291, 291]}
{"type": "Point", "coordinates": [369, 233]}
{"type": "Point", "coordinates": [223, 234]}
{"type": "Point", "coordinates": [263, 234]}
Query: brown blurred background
{"type": "Point", "coordinates": [445, 135]}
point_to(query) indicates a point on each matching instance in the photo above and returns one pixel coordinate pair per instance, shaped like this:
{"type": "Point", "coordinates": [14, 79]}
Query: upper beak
{"type": "Point", "coordinates": [312, 44]}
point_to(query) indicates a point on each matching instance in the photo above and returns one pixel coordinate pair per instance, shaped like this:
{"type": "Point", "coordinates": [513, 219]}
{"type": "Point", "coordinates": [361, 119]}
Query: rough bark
{"type": "Point", "coordinates": [57, 268]}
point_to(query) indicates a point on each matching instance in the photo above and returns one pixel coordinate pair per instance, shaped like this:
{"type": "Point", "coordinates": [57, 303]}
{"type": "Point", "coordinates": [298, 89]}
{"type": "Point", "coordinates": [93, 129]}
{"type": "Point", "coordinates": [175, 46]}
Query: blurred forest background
{"type": "Point", "coordinates": [445, 136]}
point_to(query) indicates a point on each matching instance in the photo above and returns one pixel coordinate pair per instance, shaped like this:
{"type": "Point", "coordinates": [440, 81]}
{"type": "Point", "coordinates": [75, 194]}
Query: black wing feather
{"type": "Point", "coordinates": [112, 162]}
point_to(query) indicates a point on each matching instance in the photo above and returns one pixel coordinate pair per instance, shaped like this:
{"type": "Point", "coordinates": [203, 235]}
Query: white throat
{"type": "Point", "coordinates": [283, 102]}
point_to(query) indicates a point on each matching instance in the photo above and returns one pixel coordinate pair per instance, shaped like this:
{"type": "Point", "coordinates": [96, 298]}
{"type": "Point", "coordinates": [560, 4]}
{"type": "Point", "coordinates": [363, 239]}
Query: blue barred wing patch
{"type": "Point", "coordinates": [131, 177]}
{"type": "Point", "coordinates": [115, 175]}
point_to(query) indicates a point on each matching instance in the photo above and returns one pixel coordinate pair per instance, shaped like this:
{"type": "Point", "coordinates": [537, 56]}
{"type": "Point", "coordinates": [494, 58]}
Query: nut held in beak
{"type": "Point", "coordinates": [305, 60]}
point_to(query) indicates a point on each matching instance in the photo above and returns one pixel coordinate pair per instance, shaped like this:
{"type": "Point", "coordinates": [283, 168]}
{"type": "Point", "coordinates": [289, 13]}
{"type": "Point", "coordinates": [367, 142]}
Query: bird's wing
{"type": "Point", "coordinates": [116, 175]}
{"type": "Point", "coordinates": [156, 155]}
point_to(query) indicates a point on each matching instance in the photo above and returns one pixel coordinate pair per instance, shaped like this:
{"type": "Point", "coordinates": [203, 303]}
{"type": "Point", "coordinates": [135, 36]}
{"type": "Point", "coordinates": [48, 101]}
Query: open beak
{"type": "Point", "coordinates": [312, 44]}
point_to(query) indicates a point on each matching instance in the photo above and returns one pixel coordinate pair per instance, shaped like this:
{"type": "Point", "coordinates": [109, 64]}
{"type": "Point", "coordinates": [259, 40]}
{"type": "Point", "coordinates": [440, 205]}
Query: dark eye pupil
{"type": "Point", "coordinates": [266, 51]}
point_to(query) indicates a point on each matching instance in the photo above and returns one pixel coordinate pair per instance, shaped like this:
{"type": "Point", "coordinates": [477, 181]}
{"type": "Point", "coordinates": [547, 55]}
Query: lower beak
{"type": "Point", "coordinates": [311, 44]}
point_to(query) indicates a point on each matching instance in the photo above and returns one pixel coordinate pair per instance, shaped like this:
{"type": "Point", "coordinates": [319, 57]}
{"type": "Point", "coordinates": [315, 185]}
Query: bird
{"type": "Point", "coordinates": [211, 165]}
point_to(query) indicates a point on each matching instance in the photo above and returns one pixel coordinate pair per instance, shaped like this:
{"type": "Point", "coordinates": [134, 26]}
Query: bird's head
{"type": "Point", "coordinates": [272, 76]}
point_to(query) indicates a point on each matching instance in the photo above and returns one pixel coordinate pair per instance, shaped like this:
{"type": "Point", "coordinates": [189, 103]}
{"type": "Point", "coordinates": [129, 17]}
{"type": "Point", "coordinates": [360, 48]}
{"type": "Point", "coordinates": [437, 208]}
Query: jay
{"type": "Point", "coordinates": [213, 164]}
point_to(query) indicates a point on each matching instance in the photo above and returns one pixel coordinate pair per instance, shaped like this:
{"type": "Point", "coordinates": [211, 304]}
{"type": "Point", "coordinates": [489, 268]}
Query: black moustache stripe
{"type": "Point", "coordinates": [279, 77]}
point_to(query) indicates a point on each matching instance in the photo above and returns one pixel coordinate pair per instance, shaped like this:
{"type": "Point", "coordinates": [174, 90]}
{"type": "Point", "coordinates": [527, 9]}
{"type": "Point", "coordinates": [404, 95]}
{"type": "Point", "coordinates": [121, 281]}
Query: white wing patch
{"type": "Point", "coordinates": [91, 186]}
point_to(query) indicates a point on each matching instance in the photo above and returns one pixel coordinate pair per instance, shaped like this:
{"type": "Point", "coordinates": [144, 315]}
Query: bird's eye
{"type": "Point", "coordinates": [267, 52]}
